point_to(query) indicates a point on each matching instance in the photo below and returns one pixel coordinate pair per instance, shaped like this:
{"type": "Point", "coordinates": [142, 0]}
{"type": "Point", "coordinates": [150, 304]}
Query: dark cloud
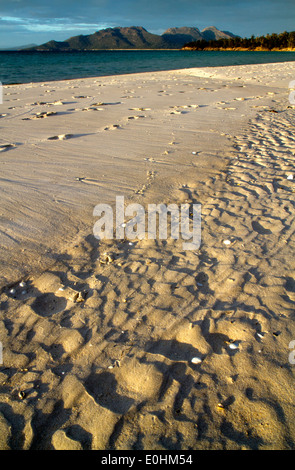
{"type": "Point", "coordinates": [59, 19]}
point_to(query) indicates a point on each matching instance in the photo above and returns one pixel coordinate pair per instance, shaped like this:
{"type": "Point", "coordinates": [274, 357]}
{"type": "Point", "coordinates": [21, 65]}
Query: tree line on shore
{"type": "Point", "coordinates": [268, 42]}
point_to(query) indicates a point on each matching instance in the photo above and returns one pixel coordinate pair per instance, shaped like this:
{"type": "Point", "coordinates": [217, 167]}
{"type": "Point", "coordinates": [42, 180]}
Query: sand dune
{"type": "Point", "coordinates": [119, 345]}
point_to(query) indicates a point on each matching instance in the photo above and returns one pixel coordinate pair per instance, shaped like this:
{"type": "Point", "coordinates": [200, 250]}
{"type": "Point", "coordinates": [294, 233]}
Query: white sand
{"type": "Point", "coordinates": [115, 371]}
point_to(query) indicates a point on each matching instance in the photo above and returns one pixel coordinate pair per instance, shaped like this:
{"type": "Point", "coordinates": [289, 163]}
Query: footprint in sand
{"type": "Point", "coordinates": [61, 137]}
{"type": "Point", "coordinates": [48, 304]}
{"type": "Point", "coordinates": [130, 118]}
{"type": "Point", "coordinates": [262, 229]}
{"type": "Point", "coordinates": [5, 147]}
{"type": "Point", "coordinates": [57, 103]}
{"type": "Point", "coordinates": [102, 386]}
{"type": "Point", "coordinates": [52, 296]}
{"type": "Point", "coordinates": [183, 109]}
{"type": "Point", "coordinates": [140, 109]}
{"type": "Point", "coordinates": [39, 103]}
{"type": "Point", "coordinates": [226, 109]}
{"type": "Point", "coordinates": [112, 127]}
{"type": "Point", "coordinates": [90, 108]}
{"type": "Point", "coordinates": [45, 103]}
{"type": "Point", "coordinates": [105, 104]}
{"type": "Point", "coordinates": [40, 116]}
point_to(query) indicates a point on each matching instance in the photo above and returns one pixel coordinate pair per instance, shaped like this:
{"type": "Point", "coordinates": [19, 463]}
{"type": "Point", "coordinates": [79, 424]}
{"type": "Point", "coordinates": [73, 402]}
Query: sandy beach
{"type": "Point", "coordinates": [113, 345]}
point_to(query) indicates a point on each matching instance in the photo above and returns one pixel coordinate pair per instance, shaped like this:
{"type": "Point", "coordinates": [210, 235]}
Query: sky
{"type": "Point", "coordinates": [24, 22]}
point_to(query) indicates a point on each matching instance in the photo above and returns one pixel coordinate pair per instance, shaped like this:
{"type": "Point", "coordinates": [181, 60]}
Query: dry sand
{"type": "Point", "coordinates": [98, 337]}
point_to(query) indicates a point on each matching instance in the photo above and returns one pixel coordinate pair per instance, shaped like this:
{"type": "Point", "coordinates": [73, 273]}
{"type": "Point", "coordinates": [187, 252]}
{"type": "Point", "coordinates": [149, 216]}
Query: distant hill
{"type": "Point", "coordinates": [134, 37]}
{"type": "Point", "coordinates": [179, 36]}
{"type": "Point", "coordinates": [212, 34]}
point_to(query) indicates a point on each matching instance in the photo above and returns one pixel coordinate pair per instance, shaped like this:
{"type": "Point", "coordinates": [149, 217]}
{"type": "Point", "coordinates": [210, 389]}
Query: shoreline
{"type": "Point", "coordinates": [241, 49]}
{"type": "Point", "coordinates": [122, 354]}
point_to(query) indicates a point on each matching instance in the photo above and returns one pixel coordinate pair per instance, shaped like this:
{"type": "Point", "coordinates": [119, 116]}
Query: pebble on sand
{"type": "Point", "coordinates": [196, 360]}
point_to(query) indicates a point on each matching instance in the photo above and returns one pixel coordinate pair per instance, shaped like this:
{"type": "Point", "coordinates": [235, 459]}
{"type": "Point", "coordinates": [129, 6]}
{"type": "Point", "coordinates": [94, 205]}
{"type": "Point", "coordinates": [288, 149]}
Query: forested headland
{"type": "Point", "coordinates": [279, 42]}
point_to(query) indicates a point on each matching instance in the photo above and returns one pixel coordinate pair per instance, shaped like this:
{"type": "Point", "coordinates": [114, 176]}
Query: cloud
{"type": "Point", "coordinates": [49, 25]}
{"type": "Point", "coordinates": [58, 19]}
{"type": "Point", "coordinates": [59, 24]}
{"type": "Point", "coordinates": [153, 11]}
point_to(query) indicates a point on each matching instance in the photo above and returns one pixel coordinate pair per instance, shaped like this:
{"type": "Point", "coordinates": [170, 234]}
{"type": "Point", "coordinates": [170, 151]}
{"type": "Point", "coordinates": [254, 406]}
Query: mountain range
{"type": "Point", "coordinates": [134, 37]}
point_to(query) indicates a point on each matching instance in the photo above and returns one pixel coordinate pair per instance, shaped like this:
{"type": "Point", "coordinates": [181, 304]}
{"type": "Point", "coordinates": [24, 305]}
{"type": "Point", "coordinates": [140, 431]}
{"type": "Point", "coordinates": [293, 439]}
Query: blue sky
{"type": "Point", "coordinates": [32, 21]}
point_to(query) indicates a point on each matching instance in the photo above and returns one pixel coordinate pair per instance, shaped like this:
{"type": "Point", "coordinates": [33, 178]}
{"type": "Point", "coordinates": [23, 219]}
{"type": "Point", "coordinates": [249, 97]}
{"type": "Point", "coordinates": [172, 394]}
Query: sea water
{"type": "Point", "coordinates": [26, 67]}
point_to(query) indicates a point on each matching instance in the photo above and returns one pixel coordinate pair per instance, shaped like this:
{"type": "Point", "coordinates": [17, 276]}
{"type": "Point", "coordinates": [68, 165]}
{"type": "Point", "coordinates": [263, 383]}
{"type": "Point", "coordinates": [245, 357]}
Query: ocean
{"type": "Point", "coordinates": [26, 67]}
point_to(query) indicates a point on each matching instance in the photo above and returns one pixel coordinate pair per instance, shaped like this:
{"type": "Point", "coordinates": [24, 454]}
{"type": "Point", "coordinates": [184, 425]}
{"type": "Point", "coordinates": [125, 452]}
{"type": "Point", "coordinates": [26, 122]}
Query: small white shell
{"type": "Point", "coordinates": [12, 291]}
{"type": "Point", "coordinates": [196, 360]}
{"type": "Point", "coordinates": [22, 284]}
{"type": "Point", "coordinates": [289, 177]}
{"type": "Point", "coordinates": [226, 242]}
{"type": "Point", "coordinates": [233, 346]}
